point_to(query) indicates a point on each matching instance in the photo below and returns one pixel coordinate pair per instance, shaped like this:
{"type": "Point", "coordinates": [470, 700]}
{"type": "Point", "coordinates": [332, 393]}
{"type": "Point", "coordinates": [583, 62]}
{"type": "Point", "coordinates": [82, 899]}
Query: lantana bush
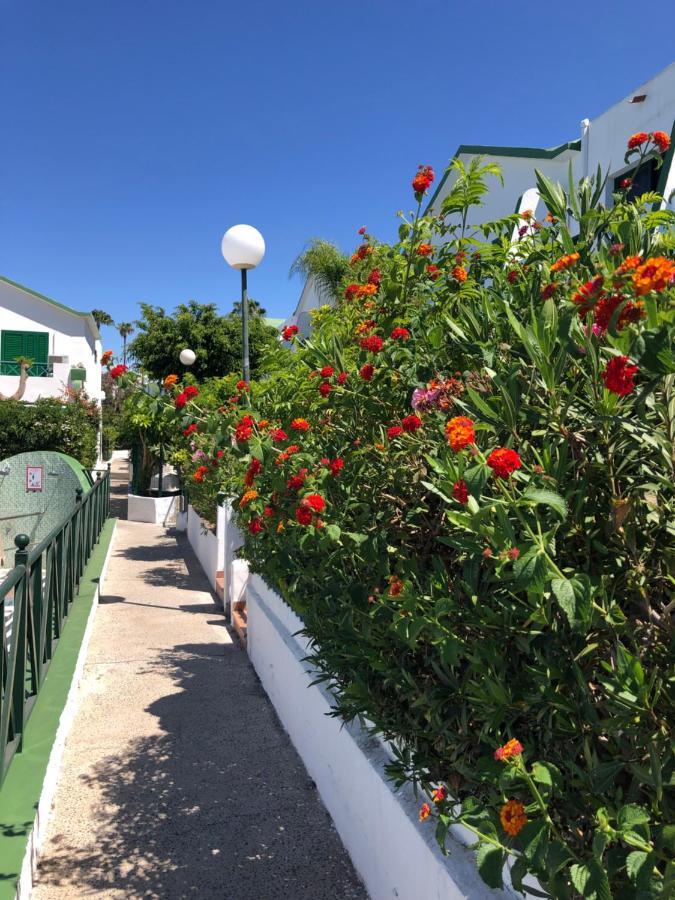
{"type": "Point", "coordinates": [462, 482]}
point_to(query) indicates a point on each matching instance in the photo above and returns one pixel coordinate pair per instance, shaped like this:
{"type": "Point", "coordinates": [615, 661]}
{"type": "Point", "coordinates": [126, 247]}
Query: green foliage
{"type": "Point", "coordinates": [536, 605]}
{"type": "Point", "coordinates": [49, 424]}
{"type": "Point", "coordinates": [215, 339]}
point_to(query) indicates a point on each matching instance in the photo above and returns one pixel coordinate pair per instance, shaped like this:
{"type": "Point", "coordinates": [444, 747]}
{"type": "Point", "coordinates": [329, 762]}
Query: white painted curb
{"type": "Point", "coordinates": [38, 832]}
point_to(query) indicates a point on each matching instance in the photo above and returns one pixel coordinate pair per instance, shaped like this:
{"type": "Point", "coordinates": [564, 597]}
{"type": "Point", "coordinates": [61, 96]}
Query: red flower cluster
{"type": "Point", "coordinates": [309, 506]}
{"type": "Point", "coordinates": [637, 139]}
{"type": "Point", "coordinates": [375, 278]}
{"type": "Point", "coordinates": [619, 375]}
{"type": "Point", "coordinates": [366, 372]}
{"type": "Point", "coordinates": [400, 334]}
{"type": "Point", "coordinates": [394, 431]}
{"type": "Point", "coordinates": [362, 230]}
{"type": "Point", "coordinates": [278, 435]}
{"type": "Point", "coordinates": [460, 492]}
{"type": "Point", "coordinates": [255, 526]}
{"type": "Point", "coordinates": [395, 586]}
{"type": "Point", "coordinates": [327, 372]}
{"type": "Point", "coordinates": [433, 271]}
{"type": "Point", "coordinates": [116, 371]}
{"type": "Point", "coordinates": [295, 482]}
{"type": "Point", "coordinates": [335, 466]}
{"type": "Point", "coordinates": [244, 429]}
{"type": "Point", "coordinates": [373, 343]}
{"type": "Point", "coordinates": [411, 424]}
{"type": "Point", "coordinates": [548, 290]}
{"type": "Point", "coordinates": [342, 377]}
{"type": "Point", "coordinates": [425, 250]}
{"type": "Point", "coordinates": [243, 385]}
{"type": "Point", "coordinates": [325, 388]}
{"type": "Point", "coordinates": [186, 394]}
{"type": "Point", "coordinates": [189, 430]}
{"type": "Point", "coordinates": [200, 473]}
{"type": "Point", "coordinates": [255, 467]}
{"type": "Point", "coordinates": [289, 332]}
{"type": "Point", "coordinates": [422, 180]}
{"type": "Point", "coordinates": [361, 253]}
{"type": "Point", "coordinates": [106, 357]}
{"type": "Point", "coordinates": [503, 461]}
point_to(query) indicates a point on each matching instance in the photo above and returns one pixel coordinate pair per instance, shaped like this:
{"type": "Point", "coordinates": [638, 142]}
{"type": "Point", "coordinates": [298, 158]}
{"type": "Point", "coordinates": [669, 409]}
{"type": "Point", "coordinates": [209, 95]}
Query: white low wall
{"type": "Point", "coordinates": [157, 510]}
{"type": "Point", "coordinates": [395, 854]}
{"type": "Point", "coordinates": [208, 547]}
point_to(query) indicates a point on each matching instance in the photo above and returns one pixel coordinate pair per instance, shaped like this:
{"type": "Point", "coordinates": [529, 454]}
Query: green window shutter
{"type": "Point", "coordinates": [31, 344]}
{"type": "Point", "coordinates": [37, 345]}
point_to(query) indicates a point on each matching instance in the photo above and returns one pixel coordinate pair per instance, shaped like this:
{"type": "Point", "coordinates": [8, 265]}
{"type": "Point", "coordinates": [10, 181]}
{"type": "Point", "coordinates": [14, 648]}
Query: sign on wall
{"type": "Point", "coordinates": [34, 478]}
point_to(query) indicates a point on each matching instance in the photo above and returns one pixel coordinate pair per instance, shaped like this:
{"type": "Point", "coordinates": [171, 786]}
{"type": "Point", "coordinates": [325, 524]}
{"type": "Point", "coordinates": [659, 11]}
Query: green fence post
{"type": "Point", "coordinates": [21, 600]}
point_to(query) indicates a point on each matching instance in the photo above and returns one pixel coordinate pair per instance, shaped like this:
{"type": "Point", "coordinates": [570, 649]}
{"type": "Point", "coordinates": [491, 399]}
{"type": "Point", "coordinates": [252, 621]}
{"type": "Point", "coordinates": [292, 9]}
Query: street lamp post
{"type": "Point", "coordinates": [243, 248]}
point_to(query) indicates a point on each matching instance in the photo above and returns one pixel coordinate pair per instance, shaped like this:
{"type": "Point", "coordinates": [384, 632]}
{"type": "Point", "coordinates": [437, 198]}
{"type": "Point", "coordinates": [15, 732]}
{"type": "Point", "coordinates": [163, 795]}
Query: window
{"type": "Point", "coordinates": [30, 344]}
{"type": "Point", "coordinates": [647, 179]}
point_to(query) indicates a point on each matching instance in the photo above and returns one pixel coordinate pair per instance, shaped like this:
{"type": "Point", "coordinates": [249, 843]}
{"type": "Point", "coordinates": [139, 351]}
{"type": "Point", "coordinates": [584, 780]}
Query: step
{"type": "Point", "coordinates": [220, 586]}
{"type": "Point", "coordinates": [240, 621]}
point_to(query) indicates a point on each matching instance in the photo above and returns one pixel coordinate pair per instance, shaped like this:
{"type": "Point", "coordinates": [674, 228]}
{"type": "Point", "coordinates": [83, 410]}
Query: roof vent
{"type": "Point", "coordinates": [638, 98]}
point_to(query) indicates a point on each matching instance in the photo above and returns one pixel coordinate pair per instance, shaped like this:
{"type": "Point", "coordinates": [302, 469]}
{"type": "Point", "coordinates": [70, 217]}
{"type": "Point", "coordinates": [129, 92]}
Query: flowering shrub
{"type": "Point", "coordinates": [476, 523]}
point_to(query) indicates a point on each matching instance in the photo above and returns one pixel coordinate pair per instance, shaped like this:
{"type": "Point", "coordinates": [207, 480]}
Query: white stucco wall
{"type": "Point", "coordinates": [70, 336]}
{"type": "Point", "coordinates": [603, 142]}
{"type": "Point", "coordinates": [208, 547]}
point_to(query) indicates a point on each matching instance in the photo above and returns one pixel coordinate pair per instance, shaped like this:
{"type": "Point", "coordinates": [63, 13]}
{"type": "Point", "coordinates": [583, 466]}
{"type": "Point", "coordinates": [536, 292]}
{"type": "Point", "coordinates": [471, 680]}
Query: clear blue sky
{"type": "Point", "coordinates": [136, 131]}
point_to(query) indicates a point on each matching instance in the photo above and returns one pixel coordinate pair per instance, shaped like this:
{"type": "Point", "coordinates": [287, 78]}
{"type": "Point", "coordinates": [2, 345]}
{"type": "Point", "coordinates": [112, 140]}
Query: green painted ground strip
{"type": "Point", "coordinates": [21, 790]}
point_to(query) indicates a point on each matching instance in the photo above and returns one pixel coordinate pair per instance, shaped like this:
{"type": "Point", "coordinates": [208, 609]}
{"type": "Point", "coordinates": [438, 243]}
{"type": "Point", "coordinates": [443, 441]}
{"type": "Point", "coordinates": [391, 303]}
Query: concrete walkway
{"type": "Point", "coordinates": [178, 780]}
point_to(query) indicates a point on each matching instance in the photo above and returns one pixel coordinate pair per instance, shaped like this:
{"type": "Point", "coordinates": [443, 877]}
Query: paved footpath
{"type": "Point", "coordinates": [178, 780]}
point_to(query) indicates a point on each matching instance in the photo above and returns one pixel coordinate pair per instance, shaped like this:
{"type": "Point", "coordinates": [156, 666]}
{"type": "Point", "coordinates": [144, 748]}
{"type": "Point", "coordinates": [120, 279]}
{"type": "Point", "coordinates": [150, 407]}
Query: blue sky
{"type": "Point", "coordinates": [134, 133]}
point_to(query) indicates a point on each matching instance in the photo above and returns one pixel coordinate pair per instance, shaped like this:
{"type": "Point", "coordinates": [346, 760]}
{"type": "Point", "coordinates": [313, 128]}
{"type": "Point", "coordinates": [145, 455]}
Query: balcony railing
{"type": "Point", "coordinates": [35, 599]}
{"type": "Point", "coordinates": [37, 370]}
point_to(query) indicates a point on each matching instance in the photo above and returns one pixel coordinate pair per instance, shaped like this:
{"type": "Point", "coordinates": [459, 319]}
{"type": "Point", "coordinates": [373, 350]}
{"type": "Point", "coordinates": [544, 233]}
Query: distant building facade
{"type": "Point", "coordinates": [63, 344]}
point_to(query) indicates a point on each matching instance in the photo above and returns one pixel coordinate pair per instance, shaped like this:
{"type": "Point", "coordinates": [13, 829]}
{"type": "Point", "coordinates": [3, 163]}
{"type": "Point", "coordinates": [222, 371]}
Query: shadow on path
{"type": "Point", "coordinates": [216, 805]}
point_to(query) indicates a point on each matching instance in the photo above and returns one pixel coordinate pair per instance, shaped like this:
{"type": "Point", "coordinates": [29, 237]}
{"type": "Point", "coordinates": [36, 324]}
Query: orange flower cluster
{"type": "Point", "coordinates": [655, 274]}
{"type": "Point", "coordinates": [425, 250]}
{"type": "Point", "coordinates": [512, 817]}
{"type": "Point", "coordinates": [659, 138]}
{"type": "Point", "coordinates": [565, 262]}
{"type": "Point", "coordinates": [460, 433]}
{"type": "Point", "coordinates": [509, 750]}
{"type": "Point", "coordinates": [169, 381]}
{"type": "Point", "coordinates": [247, 497]}
{"type": "Point", "coordinates": [106, 357]}
{"type": "Point", "coordinates": [300, 425]}
{"type": "Point", "coordinates": [425, 812]}
{"type": "Point", "coordinates": [459, 273]}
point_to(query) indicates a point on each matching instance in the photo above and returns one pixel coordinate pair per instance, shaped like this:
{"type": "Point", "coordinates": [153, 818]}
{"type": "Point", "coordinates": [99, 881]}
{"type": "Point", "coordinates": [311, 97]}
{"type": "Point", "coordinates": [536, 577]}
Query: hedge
{"type": "Point", "coordinates": [49, 424]}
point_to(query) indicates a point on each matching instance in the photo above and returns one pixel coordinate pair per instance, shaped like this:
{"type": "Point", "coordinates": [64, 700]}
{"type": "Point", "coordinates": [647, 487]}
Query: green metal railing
{"type": "Point", "coordinates": [38, 592]}
{"type": "Point", "coordinates": [37, 370]}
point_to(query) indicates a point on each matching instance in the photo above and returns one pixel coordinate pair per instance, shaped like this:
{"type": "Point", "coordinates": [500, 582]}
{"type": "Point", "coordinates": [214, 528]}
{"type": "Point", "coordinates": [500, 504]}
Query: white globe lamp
{"type": "Point", "coordinates": [243, 247]}
{"type": "Point", "coordinates": [187, 356]}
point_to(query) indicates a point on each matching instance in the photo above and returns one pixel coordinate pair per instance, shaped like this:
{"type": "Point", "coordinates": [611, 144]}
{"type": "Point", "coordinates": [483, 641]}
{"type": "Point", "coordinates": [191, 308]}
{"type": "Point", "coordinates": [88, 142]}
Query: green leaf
{"type": "Point", "coordinates": [564, 594]}
{"type": "Point", "coordinates": [533, 839]}
{"type": "Point", "coordinates": [634, 863]}
{"type": "Point", "coordinates": [591, 881]}
{"type": "Point", "coordinates": [490, 862]}
{"type": "Point", "coordinates": [530, 569]}
{"type": "Point", "coordinates": [540, 496]}
{"type": "Point", "coordinates": [333, 532]}
{"type": "Point", "coordinates": [632, 814]}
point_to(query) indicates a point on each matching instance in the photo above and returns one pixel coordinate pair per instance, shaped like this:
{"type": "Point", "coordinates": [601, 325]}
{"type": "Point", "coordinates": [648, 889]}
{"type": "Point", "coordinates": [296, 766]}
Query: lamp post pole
{"type": "Point", "coordinates": [244, 327]}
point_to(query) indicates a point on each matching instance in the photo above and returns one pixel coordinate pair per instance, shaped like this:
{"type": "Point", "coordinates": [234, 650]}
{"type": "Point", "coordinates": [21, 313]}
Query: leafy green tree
{"type": "Point", "coordinates": [125, 329]}
{"type": "Point", "coordinates": [101, 317]}
{"type": "Point", "coordinates": [215, 339]}
{"type": "Point", "coordinates": [325, 263]}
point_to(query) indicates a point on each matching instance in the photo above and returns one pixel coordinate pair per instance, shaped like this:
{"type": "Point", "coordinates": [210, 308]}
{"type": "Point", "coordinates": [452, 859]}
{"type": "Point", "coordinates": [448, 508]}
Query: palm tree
{"type": "Point", "coordinates": [125, 329]}
{"type": "Point", "coordinates": [325, 263]}
{"type": "Point", "coordinates": [254, 308]}
{"type": "Point", "coordinates": [101, 317]}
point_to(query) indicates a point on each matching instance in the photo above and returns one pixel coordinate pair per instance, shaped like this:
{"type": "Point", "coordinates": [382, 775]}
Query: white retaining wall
{"type": "Point", "coordinates": [395, 854]}
{"type": "Point", "coordinates": [209, 547]}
